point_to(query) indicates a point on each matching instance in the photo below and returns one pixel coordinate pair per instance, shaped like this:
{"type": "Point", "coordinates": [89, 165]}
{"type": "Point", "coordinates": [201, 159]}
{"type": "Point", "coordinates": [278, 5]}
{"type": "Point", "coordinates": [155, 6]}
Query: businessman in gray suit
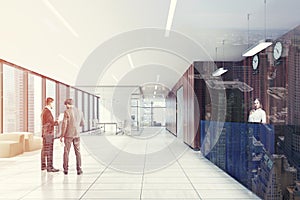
{"type": "Point", "coordinates": [71, 127]}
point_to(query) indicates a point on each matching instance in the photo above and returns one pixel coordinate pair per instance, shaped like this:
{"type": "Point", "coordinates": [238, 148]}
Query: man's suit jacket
{"type": "Point", "coordinates": [48, 122]}
{"type": "Point", "coordinates": [72, 122]}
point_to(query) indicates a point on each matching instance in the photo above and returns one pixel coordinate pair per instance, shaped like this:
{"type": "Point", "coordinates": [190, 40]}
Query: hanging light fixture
{"type": "Point", "coordinates": [219, 72]}
{"type": "Point", "coordinates": [261, 45]}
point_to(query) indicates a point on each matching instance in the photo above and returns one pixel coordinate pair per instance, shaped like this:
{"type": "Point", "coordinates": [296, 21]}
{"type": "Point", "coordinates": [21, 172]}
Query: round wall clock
{"type": "Point", "coordinates": [255, 62]}
{"type": "Point", "coordinates": [277, 50]}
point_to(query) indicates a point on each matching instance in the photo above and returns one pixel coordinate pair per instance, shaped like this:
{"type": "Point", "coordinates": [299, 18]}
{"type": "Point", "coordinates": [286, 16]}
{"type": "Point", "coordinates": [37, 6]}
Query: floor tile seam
{"type": "Point", "coordinates": [36, 188]}
{"type": "Point", "coordinates": [62, 189]}
{"type": "Point", "coordinates": [225, 178]}
{"type": "Point", "coordinates": [113, 189]}
{"type": "Point", "coordinates": [96, 159]}
{"type": "Point", "coordinates": [242, 189]}
{"type": "Point", "coordinates": [177, 160]}
{"type": "Point", "coordinates": [142, 183]}
{"type": "Point", "coordinates": [106, 167]}
{"type": "Point", "coordinates": [144, 168]}
{"type": "Point", "coordinates": [87, 189]}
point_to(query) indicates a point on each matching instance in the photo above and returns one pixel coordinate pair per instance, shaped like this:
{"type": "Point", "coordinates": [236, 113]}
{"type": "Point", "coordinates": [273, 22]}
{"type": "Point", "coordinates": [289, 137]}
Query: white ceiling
{"type": "Point", "coordinates": [125, 42]}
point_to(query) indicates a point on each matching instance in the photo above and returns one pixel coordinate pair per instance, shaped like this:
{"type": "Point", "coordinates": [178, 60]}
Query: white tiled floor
{"type": "Point", "coordinates": [150, 165]}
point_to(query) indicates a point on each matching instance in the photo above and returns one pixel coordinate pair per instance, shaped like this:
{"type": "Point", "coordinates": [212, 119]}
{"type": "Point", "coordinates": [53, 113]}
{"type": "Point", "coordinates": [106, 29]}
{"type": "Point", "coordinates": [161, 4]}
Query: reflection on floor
{"type": "Point", "coordinates": [149, 165]}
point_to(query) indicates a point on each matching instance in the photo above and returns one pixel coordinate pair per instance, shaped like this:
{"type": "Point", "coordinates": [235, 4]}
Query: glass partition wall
{"type": "Point", "coordinates": [153, 112]}
{"type": "Point", "coordinates": [148, 107]}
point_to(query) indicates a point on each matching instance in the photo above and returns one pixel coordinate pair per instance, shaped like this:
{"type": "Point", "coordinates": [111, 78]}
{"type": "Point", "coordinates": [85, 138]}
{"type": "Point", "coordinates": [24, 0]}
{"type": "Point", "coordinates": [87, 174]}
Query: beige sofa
{"type": "Point", "coordinates": [32, 142]}
{"type": "Point", "coordinates": [11, 144]}
{"type": "Point", "coordinates": [15, 143]}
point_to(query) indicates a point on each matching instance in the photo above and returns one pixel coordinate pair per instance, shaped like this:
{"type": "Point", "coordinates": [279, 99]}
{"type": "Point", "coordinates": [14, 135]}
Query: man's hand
{"type": "Point", "coordinates": [56, 123]}
{"type": "Point", "coordinates": [61, 138]}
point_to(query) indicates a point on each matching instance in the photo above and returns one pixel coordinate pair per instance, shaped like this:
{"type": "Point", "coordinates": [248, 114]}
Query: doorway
{"type": "Point", "coordinates": [179, 113]}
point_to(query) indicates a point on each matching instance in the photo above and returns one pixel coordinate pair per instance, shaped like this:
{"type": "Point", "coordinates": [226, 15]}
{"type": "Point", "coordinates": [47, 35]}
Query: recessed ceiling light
{"type": "Point", "coordinates": [170, 17]}
{"type": "Point", "coordinates": [60, 17]}
{"type": "Point", "coordinates": [157, 77]}
{"type": "Point", "coordinates": [130, 60]}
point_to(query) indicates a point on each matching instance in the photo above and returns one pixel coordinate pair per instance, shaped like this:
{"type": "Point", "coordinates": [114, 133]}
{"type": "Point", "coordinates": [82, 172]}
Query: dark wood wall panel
{"type": "Point", "coordinates": [190, 114]}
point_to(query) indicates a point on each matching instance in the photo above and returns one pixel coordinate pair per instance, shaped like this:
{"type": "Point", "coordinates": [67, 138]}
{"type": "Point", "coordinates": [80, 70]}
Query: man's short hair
{"type": "Point", "coordinates": [49, 100]}
{"type": "Point", "coordinates": [69, 102]}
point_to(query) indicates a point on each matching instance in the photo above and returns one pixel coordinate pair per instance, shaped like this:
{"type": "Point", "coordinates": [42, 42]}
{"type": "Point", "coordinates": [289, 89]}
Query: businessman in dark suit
{"type": "Point", "coordinates": [48, 124]}
{"type": "Point", "coordinates": [71, 128]}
